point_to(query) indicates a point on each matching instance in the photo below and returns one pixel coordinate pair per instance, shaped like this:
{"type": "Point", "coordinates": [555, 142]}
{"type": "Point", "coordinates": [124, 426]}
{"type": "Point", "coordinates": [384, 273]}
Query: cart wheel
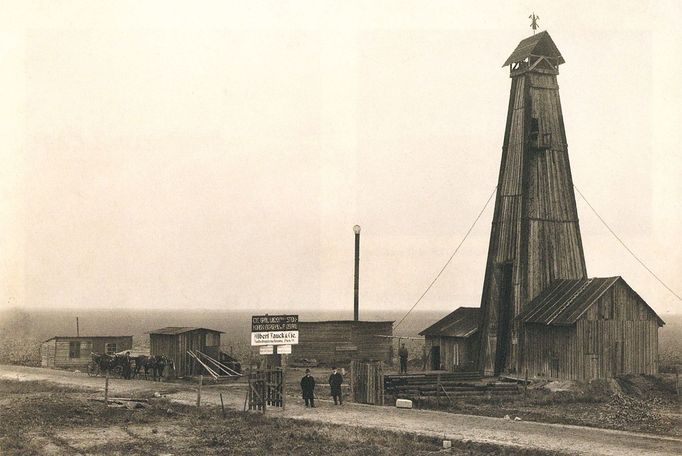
{"type": "Point", "coordinates": [93, 369]}
{"type": "Point", "coordinates": [118, 370]}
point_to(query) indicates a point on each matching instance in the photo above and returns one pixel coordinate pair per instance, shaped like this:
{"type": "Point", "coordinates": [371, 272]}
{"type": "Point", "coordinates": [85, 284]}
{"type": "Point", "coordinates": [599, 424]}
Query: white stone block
{"type": "Point", "coordinates": [403, 403]}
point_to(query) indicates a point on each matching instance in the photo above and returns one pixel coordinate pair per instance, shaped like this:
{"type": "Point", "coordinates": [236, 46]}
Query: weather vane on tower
{"type": "Point", "coordinates": [534, 22]}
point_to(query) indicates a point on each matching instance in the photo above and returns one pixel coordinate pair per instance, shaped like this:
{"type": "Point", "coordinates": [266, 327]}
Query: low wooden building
{"type": "Point", "coordinates": [74, 352]}
{"type": "Point", "coordinates": [340, 341]}
{"type": "Point", "coordinates": [174, 341]}
{"type": "Point", "coordinates": [583, 329]}
{"type": "Point", "coordinates": [452, 343]}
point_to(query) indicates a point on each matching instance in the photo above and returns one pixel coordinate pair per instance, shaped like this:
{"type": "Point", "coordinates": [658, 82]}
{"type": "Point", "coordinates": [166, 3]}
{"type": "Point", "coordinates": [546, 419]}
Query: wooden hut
{"type": "Point", "coordinates": [452, 342]}
{"type": "Point", "coordinates": [174, 341]}
{"type": "Point", "coordinates": [588, 329]}
{"type": "Point", "coordinates": [74, 352]}
{"type": "Point", "coordinates": [337, 342]}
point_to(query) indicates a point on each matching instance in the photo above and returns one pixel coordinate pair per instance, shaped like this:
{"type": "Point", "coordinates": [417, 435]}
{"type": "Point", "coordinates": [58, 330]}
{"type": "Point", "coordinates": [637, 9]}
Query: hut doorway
{"type": "Point", "coordinates": [435, 357]}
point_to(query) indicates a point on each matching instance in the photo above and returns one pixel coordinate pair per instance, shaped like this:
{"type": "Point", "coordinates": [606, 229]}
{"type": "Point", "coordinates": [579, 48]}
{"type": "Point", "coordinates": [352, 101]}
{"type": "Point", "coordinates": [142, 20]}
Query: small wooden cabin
{"type": "Point", "coordinates": [337, 342]}
{"type": "Point", "coordinates": [586, 329]}
{"type": "Point", "coordinates": [452, 343]}
{"type": "Point", "coordinates": [74, 352]}
{"type": "Point", "coordinates": [174, 341]}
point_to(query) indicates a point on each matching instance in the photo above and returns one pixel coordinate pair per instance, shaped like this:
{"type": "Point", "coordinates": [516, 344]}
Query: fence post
{"type": "Point", "coordinates": [438, 390]}
{"type": "Point", "coordinates": [201, 381]}
{"type": "Point", "coordinates": [525, 385]}
{"type": "Point", "coordinates": [222, 405]}
{"type": "Point", "coordinates": [106, 388]}
{"type": "Point", "coordinates": [284, 384]}
{"type": "Point", "coordinates": [352, 380]}
{"type": "Point", "coordinates": [248, 391]}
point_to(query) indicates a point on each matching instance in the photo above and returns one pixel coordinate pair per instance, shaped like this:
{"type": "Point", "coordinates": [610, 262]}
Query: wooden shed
{"type": "Point", "coordinates": [174, 341]}
{"type": "Point", "coordinates": [337, 342]}
{"type": "Point", "coordinates": [74, 352]}
{"type": "Point", "coordinates": [452, 343]}
{"type": "Point", "coordinates": [589, 329]}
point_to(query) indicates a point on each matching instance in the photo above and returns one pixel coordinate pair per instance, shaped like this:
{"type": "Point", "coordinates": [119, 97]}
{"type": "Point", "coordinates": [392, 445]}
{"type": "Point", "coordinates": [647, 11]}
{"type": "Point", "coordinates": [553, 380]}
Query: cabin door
{"type": "Point", "coordinates": [435, 358]}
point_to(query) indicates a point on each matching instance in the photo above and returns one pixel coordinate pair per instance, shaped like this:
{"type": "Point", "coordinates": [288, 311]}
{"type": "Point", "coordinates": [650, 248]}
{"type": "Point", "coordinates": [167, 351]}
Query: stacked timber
{"type": "Point", "coordinates": [449, 385]}
{"type": "Point", "coordinates": [430, 377]}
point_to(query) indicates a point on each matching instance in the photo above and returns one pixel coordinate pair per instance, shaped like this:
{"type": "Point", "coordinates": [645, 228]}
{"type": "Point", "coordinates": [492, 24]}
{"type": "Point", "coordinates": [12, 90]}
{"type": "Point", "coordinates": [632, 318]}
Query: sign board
{"type": "Point", "coordinates": [274, 330]}
{"type": "Point", "coordinates": [284, 349]}
{"type": "Point", "coordinates": [274, 338]}
{"type": "Point", "coordinates": [267, 350]}
{"type": "Point", "coordinates": [267, 323]}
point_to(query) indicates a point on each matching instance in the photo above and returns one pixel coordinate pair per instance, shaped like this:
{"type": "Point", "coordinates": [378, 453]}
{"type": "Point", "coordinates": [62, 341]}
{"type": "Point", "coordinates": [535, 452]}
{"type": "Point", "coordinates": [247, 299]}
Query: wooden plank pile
{"type": "Point", "coordinates": [450, 385]}
{"type": "Point", "coordinates": [367, 382]}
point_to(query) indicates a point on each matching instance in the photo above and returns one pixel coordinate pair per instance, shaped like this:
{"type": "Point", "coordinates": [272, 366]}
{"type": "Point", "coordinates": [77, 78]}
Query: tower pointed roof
{"type": "Point", "coordinates": [539, 45]}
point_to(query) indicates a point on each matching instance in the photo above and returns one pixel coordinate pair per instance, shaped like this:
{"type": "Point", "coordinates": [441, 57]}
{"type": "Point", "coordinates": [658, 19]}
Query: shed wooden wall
{"type": "Point", "coordinates": [466, 349]}
{"type": "Point", "coordinates": [617, 335]}
{"type": "Point", "coordinates": [47, 353]}
{"type": "Point", "coordinates": [55, 352]}
{"type": "Point", "coordinates": [175, 347]}
{"type": "Point", "coordinates": [331, 342]}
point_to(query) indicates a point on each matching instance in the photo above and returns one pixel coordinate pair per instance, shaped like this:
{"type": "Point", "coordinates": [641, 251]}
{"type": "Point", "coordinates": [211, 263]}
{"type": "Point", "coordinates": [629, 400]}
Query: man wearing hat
{"type": "Point", "coordinates": [335, 381]}
{"type": "Point", "coordinates": [308, 389]}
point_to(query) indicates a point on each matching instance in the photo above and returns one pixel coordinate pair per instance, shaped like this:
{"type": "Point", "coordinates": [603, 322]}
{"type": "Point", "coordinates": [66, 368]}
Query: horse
{"type": "Point", "coordinates": [108, 363]}
{"type": "Point", "coordinates": [156, 364]}
{"type": "Point", "coordinates": [161, 361]}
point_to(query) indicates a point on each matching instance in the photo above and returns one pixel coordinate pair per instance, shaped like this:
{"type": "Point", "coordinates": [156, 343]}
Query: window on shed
{"type": "Point", "coordinates": [74, 349]}
{"type": "Point", "coordinates": [110, 348]}
{"type": "Point", "coordinates": [212, 339]}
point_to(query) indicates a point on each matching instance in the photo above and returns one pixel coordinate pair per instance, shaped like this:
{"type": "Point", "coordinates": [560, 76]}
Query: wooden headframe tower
{"type": "Point", "coordinates": [535, 236]}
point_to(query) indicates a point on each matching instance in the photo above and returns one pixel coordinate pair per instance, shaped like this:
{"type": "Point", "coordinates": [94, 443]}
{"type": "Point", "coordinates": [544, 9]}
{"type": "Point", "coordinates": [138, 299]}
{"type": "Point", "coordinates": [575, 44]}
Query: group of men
{"type": "Point", "coordinates": [308, 387]}
{"type": "Point", "coordinates": [336, 380]}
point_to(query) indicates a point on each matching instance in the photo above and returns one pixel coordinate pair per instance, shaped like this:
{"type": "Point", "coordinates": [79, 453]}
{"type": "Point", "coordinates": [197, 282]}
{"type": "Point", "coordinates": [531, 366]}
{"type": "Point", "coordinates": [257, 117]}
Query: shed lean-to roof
{"type": "Point", "coordinates": [566, 300]}
{"type": "Point", "coordinates": [540, 44]}
{"type": "Point", "coordinates": [463, 322]}
{"type": "Point", "coordinates": [175, 330]}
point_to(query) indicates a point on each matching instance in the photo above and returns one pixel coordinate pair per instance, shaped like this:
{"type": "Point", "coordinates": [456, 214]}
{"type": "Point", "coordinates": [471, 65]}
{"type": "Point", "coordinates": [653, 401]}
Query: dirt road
{"type": "Point", "coordinates": [561, 438]}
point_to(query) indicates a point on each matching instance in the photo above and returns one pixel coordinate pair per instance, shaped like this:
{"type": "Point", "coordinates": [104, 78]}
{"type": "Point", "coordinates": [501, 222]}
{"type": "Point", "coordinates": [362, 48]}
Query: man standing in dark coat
{"type": "Point", "coordinates": [308, 389]}
{"type": "Point", "coordinates": [126, 366]}
{"type": "Point", "coordinates": [335, 381]}
{"type": "Point", "coordinates": [402, 353]}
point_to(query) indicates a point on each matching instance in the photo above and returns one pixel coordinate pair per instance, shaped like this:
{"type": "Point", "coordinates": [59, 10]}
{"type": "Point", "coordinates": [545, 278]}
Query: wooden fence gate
{"type": "Point", "coordinates": [266, 389]}
{"type": "Point", "coordinates": [367, 382]}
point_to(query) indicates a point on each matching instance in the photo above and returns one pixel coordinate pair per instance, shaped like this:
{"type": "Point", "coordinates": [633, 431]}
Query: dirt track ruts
{"type": "Point", "coordinates": [562, 438]}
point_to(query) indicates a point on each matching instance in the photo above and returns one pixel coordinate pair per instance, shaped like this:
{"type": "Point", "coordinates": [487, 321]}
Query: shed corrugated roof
{"type": "Point", "coordinates": [463, 322]}
{"type": "Point", "coordinates": [566, 300]}
{"type": "Point", "coordinates": [175, 330]}
{"type": "Point", "coordinates": [540, 44]}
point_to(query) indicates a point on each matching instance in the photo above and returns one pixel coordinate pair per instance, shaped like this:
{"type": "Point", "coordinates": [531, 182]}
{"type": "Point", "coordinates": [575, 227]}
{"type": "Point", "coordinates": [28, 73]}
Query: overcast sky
{"type": "Point", "coordinates": [158, 154]}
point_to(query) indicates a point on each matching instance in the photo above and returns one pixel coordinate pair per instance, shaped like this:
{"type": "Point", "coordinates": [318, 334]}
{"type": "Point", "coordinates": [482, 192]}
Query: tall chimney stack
{"type": "Point", "coordinates": [356, 308]}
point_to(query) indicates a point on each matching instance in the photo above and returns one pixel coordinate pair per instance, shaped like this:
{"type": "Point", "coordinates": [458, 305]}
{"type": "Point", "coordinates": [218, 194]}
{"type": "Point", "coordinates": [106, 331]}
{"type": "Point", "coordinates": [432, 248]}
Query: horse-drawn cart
{"type": "Point", "coordinates": [129, 364]}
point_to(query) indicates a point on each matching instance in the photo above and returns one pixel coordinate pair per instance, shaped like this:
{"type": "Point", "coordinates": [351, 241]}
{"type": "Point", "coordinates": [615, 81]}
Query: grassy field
{"type": "Point", "coordinates": [35, 420]}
